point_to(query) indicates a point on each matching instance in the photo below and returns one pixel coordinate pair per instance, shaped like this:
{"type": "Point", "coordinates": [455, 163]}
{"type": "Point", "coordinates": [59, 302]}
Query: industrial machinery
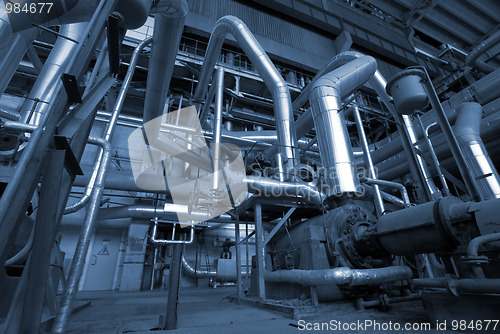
{"type": "Point", "coordinates": [334, 212]}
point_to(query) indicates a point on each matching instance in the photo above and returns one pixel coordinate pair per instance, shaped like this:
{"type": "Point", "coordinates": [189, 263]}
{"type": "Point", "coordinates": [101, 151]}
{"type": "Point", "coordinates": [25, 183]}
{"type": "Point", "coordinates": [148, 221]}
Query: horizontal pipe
{"type": "Point", "coordinates": [467, 285]}
{"type": "Point", "coordinates": [394, 185]}
{"type": "Point", "coordinates": [340, 276]}
{"type": "Point", "coordinates": [275, 189]}
{"type": "Point", "coordinates": [473, 56]}
{"type": "Point", "coordinates": [167, 212]}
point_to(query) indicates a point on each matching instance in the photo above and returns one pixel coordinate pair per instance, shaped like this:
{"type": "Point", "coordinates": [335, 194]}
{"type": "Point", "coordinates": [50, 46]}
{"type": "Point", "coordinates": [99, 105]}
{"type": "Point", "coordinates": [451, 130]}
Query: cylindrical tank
{"type": "Point", "coordinates": [408, 92]}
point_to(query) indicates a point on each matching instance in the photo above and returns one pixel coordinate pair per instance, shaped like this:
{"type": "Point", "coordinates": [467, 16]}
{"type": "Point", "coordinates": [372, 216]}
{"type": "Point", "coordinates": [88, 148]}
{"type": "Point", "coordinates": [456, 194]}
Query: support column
{"type": "Point", "coordinates": [260, 252]}
{"type": "Point", "coordinates": [173, 288]}
{"type": "Point", "coordinates": [238, 262]}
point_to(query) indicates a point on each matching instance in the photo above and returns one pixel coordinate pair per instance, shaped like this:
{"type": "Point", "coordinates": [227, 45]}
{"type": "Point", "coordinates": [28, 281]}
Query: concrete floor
{"type": "Point", "coordinates": [207, 310]}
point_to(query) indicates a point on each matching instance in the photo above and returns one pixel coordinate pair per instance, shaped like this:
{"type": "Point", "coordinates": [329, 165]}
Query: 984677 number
{"type": "Point", "coordinates": [32, 8]}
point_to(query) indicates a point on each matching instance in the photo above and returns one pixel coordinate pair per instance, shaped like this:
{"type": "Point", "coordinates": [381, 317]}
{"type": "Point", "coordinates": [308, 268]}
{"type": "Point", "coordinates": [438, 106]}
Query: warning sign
{"type": "Point", "coordinates": [103, 251]}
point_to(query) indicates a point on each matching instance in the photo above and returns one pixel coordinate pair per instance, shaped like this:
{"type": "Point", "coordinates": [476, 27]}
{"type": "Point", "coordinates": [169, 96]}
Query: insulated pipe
{"type": "Point", "coordinates": [340, 276]}
{"type": "Point", "coordinates": [13, 46]}
{"type": "Point", "coordinates": [120, 100]}
{"type": "Point", "coordinates": [196, 273]}
{"type": "Point", "coordinates": [333, 137]}
{"type": "Point", "coordinates": [394, 185]}
{"type": "Point", "coordinates": [283, 112]}
{"type": "Point", "coordinates": [168, 212]}
{"type": "Point", "coordinates": [272, 188]}
{"type": "Point", "coordinates": [473, 56]}
{"type": "Point", "coordinates": [470, 183]}
{"type": "Point", "coordinates": [168, 28]}
{"type": "Point", "coordinates": [48, 84]}
{"type": "Point", "coordinates": [481, 168]}
{"type": "Point", "coordinates": [76, 269]}
{"type": "Point", "coordinates": [216, 140]}
{"type": "Point", "coordinates": [378, 82]}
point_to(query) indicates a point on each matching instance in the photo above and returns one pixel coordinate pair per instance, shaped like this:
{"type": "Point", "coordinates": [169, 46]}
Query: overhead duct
{"type": "Point", "coordinates": [333, 137]}
{"type": "Point", "coordinates": [168, 28]}
{"type": "Point", "coordinates": [283, 113]}
{"type": "Point", "coordinates": [481, 168]}
{"type": "Point", "coordinates": [473, 56]}
{"type": "Point", "coordinates": [168, 212]}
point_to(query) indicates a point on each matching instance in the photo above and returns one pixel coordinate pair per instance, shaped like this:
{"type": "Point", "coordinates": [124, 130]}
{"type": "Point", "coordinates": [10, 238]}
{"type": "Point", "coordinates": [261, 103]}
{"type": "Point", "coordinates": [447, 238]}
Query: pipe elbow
{"type": "Point", "coordinates": [171, 8]}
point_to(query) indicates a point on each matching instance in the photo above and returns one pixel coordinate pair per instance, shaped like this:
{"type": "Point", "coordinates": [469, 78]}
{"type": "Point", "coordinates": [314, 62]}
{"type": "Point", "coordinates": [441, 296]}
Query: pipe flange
{"type": "Point", "coordinates": [450, 283]}
{"type": "Point", "coordinates": [475, 260]}
{"type": "Point", "coordinates": [306, 175]}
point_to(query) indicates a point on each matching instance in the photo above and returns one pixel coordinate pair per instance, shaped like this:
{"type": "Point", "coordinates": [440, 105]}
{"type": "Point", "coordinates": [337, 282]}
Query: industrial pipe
{"type": "Point", "coordinates": [377, 197]}
{"type": "Point", "coordinates": [401, 188]}
{"type": "Point", "coordinates": [168, 212]}
{"type": "Point", "coordinates": [273, 80]}
{"type": "Point", "coordinates": [340, 276]}
{"type": "Point", "coordinates": [48, 84]}
{"type": "Point", "coordinates": [333, 138]}
{"type": "Point", "coordinates": [191, 272]}
{"type": "Point", "coordinates": [467, 285]}
{"type": "Point", "coordinates": [76, 269]}
{"type": "Point", "coordinates": [120, 100]}
{"type": "Point", "coordinates": [378, 82]}
{"type": "Point", "coordinates": [481, 169]}
{"type": "Point", "coordinates": [268, 187]}
{"type": "Point", "coordinates": [473, 56]}
{"type": "Point", "coordinates": [168, 28]}
{"type": "Point", "coordinates": [216, 140]}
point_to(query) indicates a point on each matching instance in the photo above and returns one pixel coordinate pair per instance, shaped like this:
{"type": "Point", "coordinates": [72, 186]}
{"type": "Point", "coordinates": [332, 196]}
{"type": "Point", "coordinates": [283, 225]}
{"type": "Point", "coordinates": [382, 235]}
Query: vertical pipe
{"type": "Point", "coordinates": [430, 187]}
{"type": "Point", "coordinates": [379, 203]}
{"type": "Point", "coordinates": [238, 262]}
{"type": "Point", "coordinates": [217, 126]}
{"type": "Point", "coordinates": [467, 131]}
{"type": "Point", "coordinates": [434, 157]}
{"type": "Point", "coordinates": [279, 165]}
{"type": "Point", "coordinates": [450, 137]}
{"type": "Point", "coordinates": [120, 100]}
{"type": "Point", "coordinates": [82, 246]}
{"type": "Point", "coordinates": [173, 288]}
{"type": "Point", "coordinates": [260, 252]}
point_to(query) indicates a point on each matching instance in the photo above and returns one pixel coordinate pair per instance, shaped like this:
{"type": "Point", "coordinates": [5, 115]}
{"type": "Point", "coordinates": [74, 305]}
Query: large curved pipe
{"type": "Point", "coordinates": [473, 56]}
{"type": "Point", "coordinates": [378, 83]}
{"type": "Point", "coordinates": [168, 28]}
{"type": "Point", "coordinates": [283, 113]}
{"type": "Point", "coordinates": [481, 168]}
{"type": "Point", "coordinates": [333, 137]}
{"type": "Point", "coordinates": [47, 85]}
{"type": "Point", "coordinates": [340, 276]}
{"type": "Point", "coordinates": [191, 272]}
